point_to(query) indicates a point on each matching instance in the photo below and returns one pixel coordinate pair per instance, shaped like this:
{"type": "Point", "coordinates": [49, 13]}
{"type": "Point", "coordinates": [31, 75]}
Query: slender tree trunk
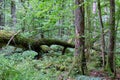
{"type": "Point", "coordinates": [13, 13]}
{"type": "Point", "coordinates": [112, 36]}
{"type": "Point", "coordinates": [88, 32]}
{"type": "Point", "coordinates": [61, 21]}
{"type": "Point", "coordinates": [2, 20]}
{"type": "Point", "coordinates": [102, 35]}
{"type": "Point", "coordinates": [25, 11]}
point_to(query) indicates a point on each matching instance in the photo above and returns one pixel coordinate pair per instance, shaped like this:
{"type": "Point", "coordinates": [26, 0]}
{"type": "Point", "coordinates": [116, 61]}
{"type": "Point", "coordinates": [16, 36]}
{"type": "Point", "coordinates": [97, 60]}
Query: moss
{"type": "Point", "coordinates": [45, 48]}
{"type": "Point", "coordinates": [26, 42]}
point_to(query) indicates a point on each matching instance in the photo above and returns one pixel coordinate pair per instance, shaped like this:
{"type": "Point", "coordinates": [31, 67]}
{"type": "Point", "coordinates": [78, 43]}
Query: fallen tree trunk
{"type": "Point", "coordinates": [27, 43]}
{"type": "Point", "coordinates": [18, 40]}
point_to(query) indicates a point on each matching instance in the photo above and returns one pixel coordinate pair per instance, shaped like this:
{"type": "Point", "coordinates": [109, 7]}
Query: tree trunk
{"type": "Point", "coordinates": [17, 40]}
{"type": "Point", "coordinates": [61, 20]}
{"type": "Point", "coordinates": [88, 32]}
{"type": "Point", "coordinates": [102, 35]}
{"type": "Point", "coordinates": [2, 20]}
{"type": "Point", "coordinates": [80, 40]}
{"type": "Point", "coordinates": [25, 12]}
{"type": "Point", "coordinates": [112, 36]}
{"type": "Point", "coordinates": [13, 13]}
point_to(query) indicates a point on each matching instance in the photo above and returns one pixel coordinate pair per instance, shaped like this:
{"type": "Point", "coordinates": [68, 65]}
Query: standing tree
{"type": "Point", "coordinates": [2, 20]}
{"type": "Point", "coordinates": [13, 13]}
{"type": "Point", "coordinates": [88, 29]}
{"type": "Point", "coordinates": [80, 60]}
{"type": "Point", "coordinates": [102, 35]}
{"type": "Point", "coordinates": [112, 36]}
{"type": "Point", "coordinates": [61, 20]}
{"type": "Point", "coordinates": [80, 40]}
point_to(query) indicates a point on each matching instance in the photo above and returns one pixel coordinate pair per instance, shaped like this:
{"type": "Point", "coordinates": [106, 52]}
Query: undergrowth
{"type": "Point", "coordinates": [22, 66]}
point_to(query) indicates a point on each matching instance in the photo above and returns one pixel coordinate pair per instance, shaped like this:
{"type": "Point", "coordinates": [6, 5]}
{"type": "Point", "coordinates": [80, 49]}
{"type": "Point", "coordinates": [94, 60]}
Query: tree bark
{"type": "Point", "coordinates": [88, 32]}
{"type": "Point", "coordinates": [13, 13]}
{"type": "Point", "coordinates": [2, 20]}
{"type": "Point", "coordinates": [80, 39]}
{"type": "Point", "coordinates": [102, 35]}
{"type": "Point", "coordinates": [112, 36]}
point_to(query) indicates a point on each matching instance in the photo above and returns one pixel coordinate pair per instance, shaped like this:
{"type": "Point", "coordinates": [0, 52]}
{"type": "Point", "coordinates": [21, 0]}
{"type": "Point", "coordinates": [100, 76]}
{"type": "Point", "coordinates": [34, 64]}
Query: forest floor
{"type": "Point", "coordinates": [104, 75]}
{"type": "Point", "coordinates": [53, 66]}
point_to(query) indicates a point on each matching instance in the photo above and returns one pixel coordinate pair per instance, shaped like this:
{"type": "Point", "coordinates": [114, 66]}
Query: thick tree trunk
{"type": "Point", "coordinates": [80, 40]}
{"type": "Point", "coordinates": [17, 40]}
{"type": "Point", "coordinates": [112, 36]}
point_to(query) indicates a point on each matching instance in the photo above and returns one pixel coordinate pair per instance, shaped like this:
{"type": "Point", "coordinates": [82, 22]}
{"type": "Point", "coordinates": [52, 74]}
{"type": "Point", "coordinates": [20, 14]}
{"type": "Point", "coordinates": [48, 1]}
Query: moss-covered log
{"type": "Point", "coordinates": [30, 43]}
{"type": "Point", "coordinates": [27, 43]}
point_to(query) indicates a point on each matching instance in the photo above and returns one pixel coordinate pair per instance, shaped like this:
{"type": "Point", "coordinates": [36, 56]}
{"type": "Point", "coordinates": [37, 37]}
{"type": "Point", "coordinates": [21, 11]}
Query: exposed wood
{"type": "Point", "coordinates": [12, 37]}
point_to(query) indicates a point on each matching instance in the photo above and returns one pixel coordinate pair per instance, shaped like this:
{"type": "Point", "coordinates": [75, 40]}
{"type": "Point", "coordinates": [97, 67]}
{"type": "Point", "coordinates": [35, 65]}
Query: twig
{"type": "Point", "coordinates": [13, 37]}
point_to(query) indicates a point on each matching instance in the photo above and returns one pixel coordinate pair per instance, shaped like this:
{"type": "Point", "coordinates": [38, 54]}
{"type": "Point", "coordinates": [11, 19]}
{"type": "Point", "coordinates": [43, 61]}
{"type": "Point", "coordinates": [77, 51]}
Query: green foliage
{"type": "Point", "coordinates": [42, 16]}
{"type": "Point", "coordinates": [117, 61]}
{"type": "Point", "coordinates": [7, 71]}
{"type": "Point", "coordinates": [22, 67]}
{"type": "Point", "coordinates": [53, 19]}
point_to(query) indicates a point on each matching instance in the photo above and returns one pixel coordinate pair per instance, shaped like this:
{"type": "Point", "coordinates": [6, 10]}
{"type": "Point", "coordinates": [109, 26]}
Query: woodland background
{"type": "Point", "coordinates": [59, 39]}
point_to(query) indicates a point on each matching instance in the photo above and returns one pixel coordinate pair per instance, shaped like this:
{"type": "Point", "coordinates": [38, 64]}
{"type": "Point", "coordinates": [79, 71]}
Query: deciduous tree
{"type": "Point", "coordinates": [112, 36]}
